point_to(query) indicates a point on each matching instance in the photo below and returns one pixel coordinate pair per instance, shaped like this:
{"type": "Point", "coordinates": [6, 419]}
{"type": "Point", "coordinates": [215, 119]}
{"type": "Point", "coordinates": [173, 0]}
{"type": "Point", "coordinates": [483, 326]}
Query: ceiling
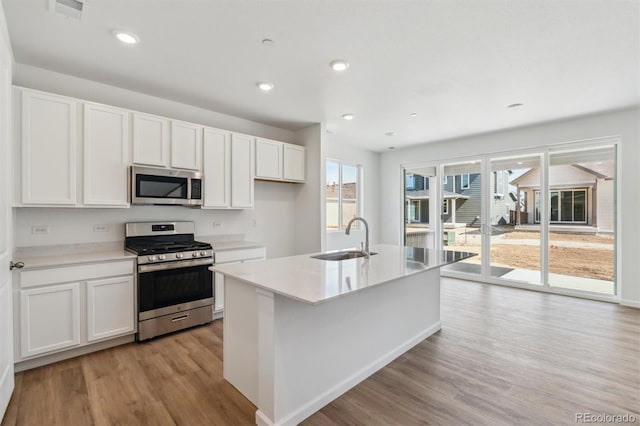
{"type": "Point", "coordinates": [456, 64]}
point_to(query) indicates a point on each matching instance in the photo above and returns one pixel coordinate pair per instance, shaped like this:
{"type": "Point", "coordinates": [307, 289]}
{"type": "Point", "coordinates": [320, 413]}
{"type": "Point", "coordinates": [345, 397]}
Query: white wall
{"type": "Point", "coordinates": [309, 237]}
{"type": "Point", "coordinates": [273, 214]}
{"type": "Point", "coordinates": [337, 148]}
{"type": "Point", "coordinates": [623, 123]}
{"type": "Point", "coordinates": [275, 206]}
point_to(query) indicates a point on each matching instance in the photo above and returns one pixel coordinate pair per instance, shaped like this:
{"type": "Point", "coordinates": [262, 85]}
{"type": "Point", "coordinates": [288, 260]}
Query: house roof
{"type": "Point", "coordinates": [600, 170]}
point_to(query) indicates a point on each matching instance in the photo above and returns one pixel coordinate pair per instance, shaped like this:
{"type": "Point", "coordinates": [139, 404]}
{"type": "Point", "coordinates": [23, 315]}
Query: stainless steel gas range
{"type": "Point", "coordinates": [175, 286]}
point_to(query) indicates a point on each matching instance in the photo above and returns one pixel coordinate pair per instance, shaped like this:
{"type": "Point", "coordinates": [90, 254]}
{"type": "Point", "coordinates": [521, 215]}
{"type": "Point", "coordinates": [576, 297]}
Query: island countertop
{"type": "Point", "coordinates": [314, 281]}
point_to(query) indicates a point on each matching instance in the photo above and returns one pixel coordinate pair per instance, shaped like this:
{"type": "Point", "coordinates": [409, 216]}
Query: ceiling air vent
{"type": "Point", "coordinates": [69, 8]}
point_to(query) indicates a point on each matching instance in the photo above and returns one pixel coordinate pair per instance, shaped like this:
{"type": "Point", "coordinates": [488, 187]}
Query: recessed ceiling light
{"type": "Point", "coordinates": [389, 133]}
{"type": "Point", "coordinates": [413, 114]}
{"type": "Point", "coordinates": [267, 42]}
{"type": "Point", "coordinates": [339, 65]}
{"type": "Point", "coordinates": [127, 38]}
{"type": "Point", "coordinates": [515, 105]}
{"type": "Point", "coordinates": [265, 86]}
{"type": "Point", "coordinates": [348, 116]}
{"type": "Point", "coordinates": [520, 163]}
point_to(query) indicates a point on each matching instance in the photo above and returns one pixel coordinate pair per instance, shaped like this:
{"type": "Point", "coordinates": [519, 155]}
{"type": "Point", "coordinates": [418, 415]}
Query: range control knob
{"type": "Point", "coordinates": [194, 254]}
{"type": "Point", "coordinates": [179, 255]}
{"type": "Point", "coordinates": [151, 258]}
{"type": "Point", "coordinates": [203, 253]}
{"type": "Point", "coordinates": [162, 257]}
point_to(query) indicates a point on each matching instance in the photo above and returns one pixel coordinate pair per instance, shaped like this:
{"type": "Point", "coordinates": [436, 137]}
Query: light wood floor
{"type": "Point", "coordinates": [504, 356]}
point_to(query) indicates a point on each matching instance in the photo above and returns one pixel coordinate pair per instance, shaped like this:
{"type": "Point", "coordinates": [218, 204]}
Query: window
{"type": "Point", "coordinates": [464, 184]}
{"type": "Point", "coordinates": [445, 206]}
{"type": "Point", "coordinates": [342, 194]}
{"type": "Point", "coordinates": [565, 206]}
{"type": "Point", "coordinates": [410, 182]}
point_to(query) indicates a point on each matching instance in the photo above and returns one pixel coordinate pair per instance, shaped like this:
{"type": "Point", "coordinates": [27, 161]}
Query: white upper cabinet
{"type": "Point", "coordinates": [48, 139]}
{"type": "Point", "coordinates": [150, 140]}
{"type": "Point", "coordinates": [106, 155]}
{"type": "Point", "coordinates": [279, 161]}
{"type": "Point", "coordinates": [242, 167]}
{"type": "Point", "coordinates": [186, 145]}
{"type": "Point", "coordinates": [293, 162]}
{"type": "Point", "coordinates": [268, 159]}
{"type": "Point", "coordinates": [217, 168]}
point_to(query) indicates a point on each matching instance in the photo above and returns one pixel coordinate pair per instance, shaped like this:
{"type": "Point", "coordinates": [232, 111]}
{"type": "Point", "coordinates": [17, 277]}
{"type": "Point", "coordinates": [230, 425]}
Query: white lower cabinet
{"type": "Point", "coordinates": [110, 310]}
{"type": "Point", "coordinates": [49, 318]}
{"type": "Point", "coordinates": [229, 257]}
{"type": "Point", "coordinates": [65, 307]}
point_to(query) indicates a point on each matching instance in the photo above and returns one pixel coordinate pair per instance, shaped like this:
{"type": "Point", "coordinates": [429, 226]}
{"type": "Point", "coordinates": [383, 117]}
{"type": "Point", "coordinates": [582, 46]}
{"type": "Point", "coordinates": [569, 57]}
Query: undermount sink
{"type": "Point", "coordinates": [342, 255]}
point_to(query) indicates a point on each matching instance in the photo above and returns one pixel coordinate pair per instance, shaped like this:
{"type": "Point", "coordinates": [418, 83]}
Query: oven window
{"type": "Point", "coordinates": [159, 289]}
{"type": "Point", "coordinates": [149, 186]}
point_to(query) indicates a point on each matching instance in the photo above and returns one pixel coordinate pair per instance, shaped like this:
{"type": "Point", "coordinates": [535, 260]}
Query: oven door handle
{"type": "Point", "coordinates": [175, 265]}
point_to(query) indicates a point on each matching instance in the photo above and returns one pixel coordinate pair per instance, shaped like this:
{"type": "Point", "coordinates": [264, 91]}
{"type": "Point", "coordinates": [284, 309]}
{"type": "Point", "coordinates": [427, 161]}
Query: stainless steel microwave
{"type": "Point", "coordinates": [152, 185]}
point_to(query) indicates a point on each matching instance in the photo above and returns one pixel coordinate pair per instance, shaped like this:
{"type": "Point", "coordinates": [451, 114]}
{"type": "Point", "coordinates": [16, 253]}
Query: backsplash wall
{"type": "Point", "coordinates": [269, 222]}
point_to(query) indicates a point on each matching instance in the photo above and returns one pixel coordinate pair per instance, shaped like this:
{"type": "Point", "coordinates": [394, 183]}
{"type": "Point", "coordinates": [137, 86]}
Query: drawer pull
{"type": "Point", "coordinates": [180, 318]}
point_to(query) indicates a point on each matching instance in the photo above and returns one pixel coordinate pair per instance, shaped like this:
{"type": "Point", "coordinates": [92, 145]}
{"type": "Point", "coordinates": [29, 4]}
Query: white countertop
{"type": "Point", "coordinates": [314, 281]}
{"type": "Point", "coordinates": [219, 246]}
{"type": "Point", "coordinates": [68, 254]}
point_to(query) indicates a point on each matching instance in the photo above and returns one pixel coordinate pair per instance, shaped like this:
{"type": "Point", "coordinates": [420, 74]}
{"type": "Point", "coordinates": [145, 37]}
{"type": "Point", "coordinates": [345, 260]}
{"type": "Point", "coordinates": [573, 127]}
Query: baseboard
{"type": "Point", "coordinates": [262, 420]}
{"type": "Point", "coordinates": [325, 398]}
{"type": "Point", "coordinates": [71, 353]}
{"type": "Point", "coordinates": [630, 303]}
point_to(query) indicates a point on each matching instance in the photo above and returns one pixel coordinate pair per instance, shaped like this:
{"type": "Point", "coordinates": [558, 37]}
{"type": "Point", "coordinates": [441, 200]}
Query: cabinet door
{"type": "Point", "coordinates": [106, 155]}
{"type": "Point", "coordinates": [110, 307]}
{"type": "Point", "coordinates": [218, 297]}
{"type": "Point", "coordinates": [217, 168]}
{"type": "Point", "coordinates": [150, 140]}
{"type": "Point", "coordinates": [186, 145]}
{"type": "Point", "coordinates": [294, 162]}
{"type": "Point", "coordinates": [242, 167]}
{"type": "Point", "coordinates": [268, 159]}
{"type": "Point", "coordinates": [49, 137]}
{"type": "Point", "coordinates": [49, 318]}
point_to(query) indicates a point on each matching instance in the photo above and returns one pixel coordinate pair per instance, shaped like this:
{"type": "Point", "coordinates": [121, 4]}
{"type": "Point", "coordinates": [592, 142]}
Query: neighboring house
{"type": "Point", "coordinates": [580, 194]}
{"type": "Point", "coordinates": [461, 199]}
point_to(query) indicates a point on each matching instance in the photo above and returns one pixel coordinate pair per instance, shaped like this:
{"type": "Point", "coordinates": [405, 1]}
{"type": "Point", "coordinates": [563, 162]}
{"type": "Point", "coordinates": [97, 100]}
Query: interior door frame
{"type": "Point", "coordinates": [6, 235]}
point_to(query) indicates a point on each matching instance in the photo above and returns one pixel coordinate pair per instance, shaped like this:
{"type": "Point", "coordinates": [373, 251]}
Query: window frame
{"type": "Point", "coordinates": [462, 185]}
{"type": "Point", "coordinates": [359, 189]}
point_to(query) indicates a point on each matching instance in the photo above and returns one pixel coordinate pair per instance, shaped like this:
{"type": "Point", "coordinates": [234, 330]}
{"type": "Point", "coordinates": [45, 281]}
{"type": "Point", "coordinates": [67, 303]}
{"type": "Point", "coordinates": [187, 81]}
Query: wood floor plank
{"type": "Point", "coordinates": [504, 356]}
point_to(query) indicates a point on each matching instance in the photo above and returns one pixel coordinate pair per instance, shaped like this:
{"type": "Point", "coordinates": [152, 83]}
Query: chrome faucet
{"type": "Point", "coordinates": [366, 228]}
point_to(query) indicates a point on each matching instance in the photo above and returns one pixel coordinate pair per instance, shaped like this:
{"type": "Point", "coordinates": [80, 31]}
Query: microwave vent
{"type": "Point", "coordinates": [69, 8]}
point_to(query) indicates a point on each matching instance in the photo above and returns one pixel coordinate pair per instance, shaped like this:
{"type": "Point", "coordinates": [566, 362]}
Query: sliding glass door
{"type": "Point", "coordinates": [514, 209]}
{"type": "Point", "coordinates": [541, 218]}
{"type": "Point", "coordinates": [462, 214]}
{"type": "Point", "coordinates": [582, 188]}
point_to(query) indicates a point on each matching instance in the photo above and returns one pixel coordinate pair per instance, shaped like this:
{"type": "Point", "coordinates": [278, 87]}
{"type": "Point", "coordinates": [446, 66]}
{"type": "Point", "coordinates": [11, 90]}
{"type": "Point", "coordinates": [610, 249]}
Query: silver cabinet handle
{"type": "Point", "coordinates": [18, 265]}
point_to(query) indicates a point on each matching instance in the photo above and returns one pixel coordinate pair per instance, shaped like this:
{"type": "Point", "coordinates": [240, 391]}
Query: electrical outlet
{"type": "Point", "coordinates": [100, 228]}
{"type": "Point", "coordinates": [217, 224]}
{"type": "Point", "coordinates": [39, 230]}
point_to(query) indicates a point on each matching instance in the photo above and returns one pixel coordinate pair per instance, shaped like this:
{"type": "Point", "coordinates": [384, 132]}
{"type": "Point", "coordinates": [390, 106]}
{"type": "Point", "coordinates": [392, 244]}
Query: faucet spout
{"type": "Point", "coordinates": [366, 228]}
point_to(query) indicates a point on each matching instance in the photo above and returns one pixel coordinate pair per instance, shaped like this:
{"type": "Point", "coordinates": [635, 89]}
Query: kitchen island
{"type": "Point", "coordinates": [301, 331]}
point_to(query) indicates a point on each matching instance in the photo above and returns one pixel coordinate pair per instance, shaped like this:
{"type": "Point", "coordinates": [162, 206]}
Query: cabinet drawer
{"type": "Point", "coordinates": [240, 255]}
{"type": "Point", "coordinates": [75, 273]}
